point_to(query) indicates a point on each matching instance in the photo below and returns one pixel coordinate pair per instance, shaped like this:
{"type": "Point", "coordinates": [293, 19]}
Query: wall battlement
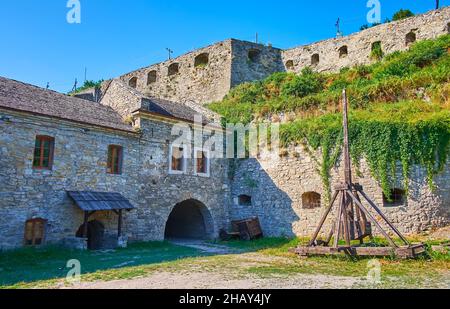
{"type": "Point", "coordinates": [207, 74]}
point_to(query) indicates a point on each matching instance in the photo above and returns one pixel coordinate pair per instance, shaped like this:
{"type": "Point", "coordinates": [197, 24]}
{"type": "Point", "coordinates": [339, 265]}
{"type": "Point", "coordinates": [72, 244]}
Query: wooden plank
{"type": "Point", "coordinates": [403, 252]}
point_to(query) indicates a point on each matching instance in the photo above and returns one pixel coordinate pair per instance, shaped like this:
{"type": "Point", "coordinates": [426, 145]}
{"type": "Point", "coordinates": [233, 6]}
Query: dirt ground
{"type": "Point", "coordinates": [212, 280]}
{"type": "Point", "coordinates": [198, 276]}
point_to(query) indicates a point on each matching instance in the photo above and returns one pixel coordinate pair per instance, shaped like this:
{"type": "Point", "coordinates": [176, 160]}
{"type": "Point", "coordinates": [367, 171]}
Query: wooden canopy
{"type": "Point", "coordinates": [91, 202]}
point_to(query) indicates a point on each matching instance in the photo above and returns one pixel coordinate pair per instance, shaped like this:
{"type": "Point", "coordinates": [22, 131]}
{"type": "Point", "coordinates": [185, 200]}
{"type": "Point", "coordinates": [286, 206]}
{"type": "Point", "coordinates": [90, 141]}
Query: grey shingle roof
{"type": "Point", "coordinates": [171, 109]}
{"type": "Point", "coordinates": [99, 201]}
{"type": "Point", "coordinates": [28, 98]}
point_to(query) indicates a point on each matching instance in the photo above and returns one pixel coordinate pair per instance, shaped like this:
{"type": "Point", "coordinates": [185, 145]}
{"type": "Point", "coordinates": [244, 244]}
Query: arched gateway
{"type": "Point", "coordinates": [190, 219]}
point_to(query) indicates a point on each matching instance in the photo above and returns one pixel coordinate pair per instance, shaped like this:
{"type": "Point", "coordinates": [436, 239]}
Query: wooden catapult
{"type": "Point", "coordinates": [354, 221]}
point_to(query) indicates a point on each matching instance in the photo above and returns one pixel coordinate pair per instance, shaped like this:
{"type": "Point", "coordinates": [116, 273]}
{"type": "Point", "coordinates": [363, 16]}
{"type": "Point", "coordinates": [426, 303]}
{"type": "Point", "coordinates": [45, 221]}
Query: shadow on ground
{"type": "Point", "coordinates": [36, 264]}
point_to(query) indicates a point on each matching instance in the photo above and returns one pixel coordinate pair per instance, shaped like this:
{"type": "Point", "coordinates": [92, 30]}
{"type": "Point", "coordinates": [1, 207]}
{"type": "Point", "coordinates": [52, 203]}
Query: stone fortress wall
{"type": "Point", "coordinates": [279, 190]}
{"type": "Point", "coordinates": [207, 74]}
{"type": "Point", "coordinates": [334, 54]}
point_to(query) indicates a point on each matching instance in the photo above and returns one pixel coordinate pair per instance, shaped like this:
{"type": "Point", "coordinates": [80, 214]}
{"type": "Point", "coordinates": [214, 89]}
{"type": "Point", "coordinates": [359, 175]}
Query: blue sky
{"type": "Point", "coordinates": [38, 45]}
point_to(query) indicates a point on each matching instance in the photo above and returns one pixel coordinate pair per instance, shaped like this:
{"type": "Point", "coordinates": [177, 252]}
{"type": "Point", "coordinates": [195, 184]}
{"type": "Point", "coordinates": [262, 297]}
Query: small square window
{"type": "Point", "coordinates": [43, 152]}
{"type": "Point", "coordinates": [115, 158]}
{"type": "Point", "coordinates": [177, 159]}
{"type": "Point", "coordinates": [396, 198]}
{"type": "Point", "coordinates": [202, 162]}
{"type": "Point", "coordinates": [244, 200]}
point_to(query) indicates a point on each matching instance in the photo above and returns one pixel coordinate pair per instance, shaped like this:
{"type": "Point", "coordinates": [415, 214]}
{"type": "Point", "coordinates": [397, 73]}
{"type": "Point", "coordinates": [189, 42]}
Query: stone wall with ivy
{"type": "Point", "coordinates": [277, 189]}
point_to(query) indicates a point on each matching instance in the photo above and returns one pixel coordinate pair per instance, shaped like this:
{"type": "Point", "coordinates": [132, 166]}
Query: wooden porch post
{"type": "Point", "coordinates": [119, 233]}
{"type": "Point", "coordinates": [85, 226]}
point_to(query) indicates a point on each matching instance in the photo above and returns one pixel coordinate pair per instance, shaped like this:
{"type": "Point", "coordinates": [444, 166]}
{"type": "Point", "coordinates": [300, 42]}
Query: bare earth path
{"type": "Point", "coordinates": [201, 279]}
{"type": "Point", "coordinates": [210, 280]}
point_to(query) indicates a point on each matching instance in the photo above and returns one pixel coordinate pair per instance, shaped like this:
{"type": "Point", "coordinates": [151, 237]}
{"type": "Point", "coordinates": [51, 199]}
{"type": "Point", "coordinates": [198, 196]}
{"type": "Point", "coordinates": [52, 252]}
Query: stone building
{"type": "Point", "coordinates": [106, 163]}
{"type": "Point", "coordinates": [52, 144]}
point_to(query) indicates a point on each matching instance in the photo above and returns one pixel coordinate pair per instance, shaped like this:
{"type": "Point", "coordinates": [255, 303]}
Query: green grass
{"type": "Point", "coordinates": [37, 264]}
{"type": "Point", "coordinates": [264, 258]}
{"type": "Point", "coordinates": [432, 267]}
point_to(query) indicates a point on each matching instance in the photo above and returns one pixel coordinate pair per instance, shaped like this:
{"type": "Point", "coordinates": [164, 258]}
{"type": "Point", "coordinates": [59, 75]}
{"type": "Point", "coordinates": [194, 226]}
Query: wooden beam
{"type": "Point", "coordinates": [324, 217]}
{"type": "Point", "coordinates": [384, 218]}
{"type": "Point", "coordinates": [85, 226]}
{"type": "Point", "coordinates": [371, 218]}
{"type": "Point", "coordinates": [119, 229]}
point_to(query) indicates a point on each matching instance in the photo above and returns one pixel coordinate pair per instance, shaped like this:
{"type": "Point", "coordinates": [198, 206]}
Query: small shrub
{"type": "Point", "coordinates": [308, 82]}
{"type": "Point", "coordinates": [402, 14]}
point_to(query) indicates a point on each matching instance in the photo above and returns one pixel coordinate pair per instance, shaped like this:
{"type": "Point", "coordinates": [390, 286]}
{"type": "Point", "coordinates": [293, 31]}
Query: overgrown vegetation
{"type": "Point", "coordinates": [399, 15]}
{"type": "Point", "coordinates": [400, 111]}
{"type": "Point", "coordinates": [88, 84]}
{"type": "Point", "coordinates": [402, 14]}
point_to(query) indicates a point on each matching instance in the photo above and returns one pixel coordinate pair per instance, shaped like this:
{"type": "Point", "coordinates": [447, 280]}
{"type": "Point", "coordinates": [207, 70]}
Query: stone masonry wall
{"type": "Point", "coordinates": [208, 81]}
{"type": "Point", "coordinates": [80, 161]}
{"type": "Point", "coordinates": [359, 45]}
{"type": "Point", "coordinates": [230, 64]}
{"type": "Point", "coordinates": [253, 62]}
{"type": "Point", "coordinates": [277, 188]}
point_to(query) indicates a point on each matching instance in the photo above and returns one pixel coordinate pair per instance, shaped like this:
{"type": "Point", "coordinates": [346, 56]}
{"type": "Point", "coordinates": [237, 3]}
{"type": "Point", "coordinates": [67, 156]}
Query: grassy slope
{"type": "Point", "coordinates": [423, 71]}
{"type": "Point", "coordinates": [400, 104]}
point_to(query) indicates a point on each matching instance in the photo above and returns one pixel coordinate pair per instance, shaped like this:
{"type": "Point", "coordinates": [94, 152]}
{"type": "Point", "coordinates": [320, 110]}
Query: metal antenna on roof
{"type": "Point", "coordinates": [338, 28]}
{"type": "Point", "coordinates": [75, 85]}
{"type": "Point", "coordinates": [256, 39]}
{"type": "Point", "coordinates": [170, 52]}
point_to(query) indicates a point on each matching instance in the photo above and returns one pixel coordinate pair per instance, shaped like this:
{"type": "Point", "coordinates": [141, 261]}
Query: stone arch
{"type": "Point", "coordinates": [190, 219]}
{"type": "Point", "coordinates": [290, 65]}
{"type": "Point", "coordinates": [254, 55]}
{"type": "Point", "coordinates": [343, 51]}
{"type": "Point", "coordinates": [410, 38]}
{"type": "Point", "coordinates": [174, 69]}
{"type": "Point", "coordinates": [96, 232]}
{"type": "Point", "coordinates": [133, 82]}
{"type": "Point", "coordinates": [201, 60]}
{"type": "Point", "coordinates": [315, 59]}
{"type": "Point", "coordinates": [152, 77]}
{"type": "Point", "coordinates": [311, 200]}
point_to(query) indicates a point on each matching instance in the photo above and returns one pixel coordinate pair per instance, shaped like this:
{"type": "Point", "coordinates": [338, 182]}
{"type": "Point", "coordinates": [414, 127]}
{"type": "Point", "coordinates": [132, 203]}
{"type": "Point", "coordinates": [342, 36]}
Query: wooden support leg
{"type": "Point", "coordinates": [330, 235]}
{"type": "Point", "coordinates": [337, 232]}
{"type": "Point", "coordinates": [322, 221]}
{"type": "Point", "coordinates": [367, 213]}
{"type": "Point", "coordinates": [384, 218]}
{"type": "Point", "coordinates": [345, 202]}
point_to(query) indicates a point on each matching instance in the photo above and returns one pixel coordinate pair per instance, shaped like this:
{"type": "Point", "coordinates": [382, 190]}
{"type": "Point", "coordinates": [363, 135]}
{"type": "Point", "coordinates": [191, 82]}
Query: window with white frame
{"type": "Point", "coordinates": [178, 159]}
{"type": "Point", "coordinates": [201, 162]}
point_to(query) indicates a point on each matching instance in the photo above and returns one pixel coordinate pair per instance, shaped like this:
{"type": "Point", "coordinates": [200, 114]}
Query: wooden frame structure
{"type": "Point", "coordinates": [353, 220]}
